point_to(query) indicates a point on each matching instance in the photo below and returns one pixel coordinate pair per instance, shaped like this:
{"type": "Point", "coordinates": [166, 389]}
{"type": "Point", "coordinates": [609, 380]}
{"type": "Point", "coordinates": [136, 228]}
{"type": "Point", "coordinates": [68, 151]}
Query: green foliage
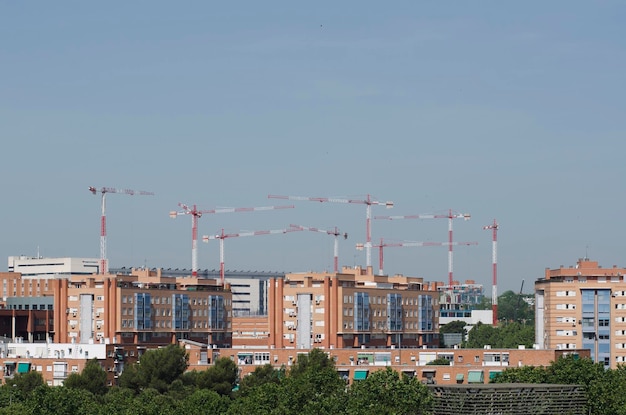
{"type": "Point", "coordinates": [439, 362]}
{"type": "Point", "coordinates": [505, 336]}
{"type": "Point", "coordinates": [523, 374]}
{"type": "Point", "coordinates": [61, 401]}
{"type": "Point", "coordinates": [261, 375]}
{"type": "Point", "coordinates": [456, 326]}
{"type": "Point", "coordinates": [203, 402]}
{"type": "Point", "coordinates": [313, 385]}
{"type": "Point", "coordinates": [513, 308]}
{"type": "Point", "coordinates": [572, 370]}
{"type": "Point", "coordinates": [93, 379]}
{"type": "Point", "coordinates": [601, 393]}
{"type": "Point", "coordinates": [387, 392]}
{"type": "Point", "coordinates": [157, 369]}
{"type": "Point", "coordinates": [23, 384]}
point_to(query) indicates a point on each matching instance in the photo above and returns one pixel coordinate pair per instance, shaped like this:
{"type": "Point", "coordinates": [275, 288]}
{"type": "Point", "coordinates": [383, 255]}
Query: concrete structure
{"type": "Point", "coordinates": [467, 366]}
{"type": "Point", "coordinates": [583, 307]}
{"type": "Point", "coordinates": [43, 268]}
{"type": "Point", "coordinates": [352, 308]}
{"type": "Point", "coordinates": [248, 288]}
{"type": "Point", "coordinates": [143, 307]}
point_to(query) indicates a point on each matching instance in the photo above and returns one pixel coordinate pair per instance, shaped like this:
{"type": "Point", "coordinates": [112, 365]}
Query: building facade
{"type": "Point", "coordinates": [350, 309]}
{"type": "Point", "coordinates": [142, 307]}
{"type": "Point", "coordinates": [583, 307]}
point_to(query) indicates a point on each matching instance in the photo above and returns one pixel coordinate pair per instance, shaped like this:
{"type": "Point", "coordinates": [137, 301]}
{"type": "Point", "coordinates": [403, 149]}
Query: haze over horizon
{"type": "Point", "coordinates": [512, 111]}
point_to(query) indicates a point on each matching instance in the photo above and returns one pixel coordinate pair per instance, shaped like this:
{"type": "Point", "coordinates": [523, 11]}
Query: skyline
{"type": "Point", "coordinates": [511, 112]}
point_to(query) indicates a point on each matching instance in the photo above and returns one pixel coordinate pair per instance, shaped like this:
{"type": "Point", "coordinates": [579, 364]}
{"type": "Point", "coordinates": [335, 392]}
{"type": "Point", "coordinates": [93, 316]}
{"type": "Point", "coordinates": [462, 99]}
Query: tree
{"type": "Point", "coordinates": [513, 308]}
{"type": "Point", "coordinates": [441, 361]}
{"type": "Point", "coordinates": [523, 374]}
{"type": "Point", "coordinates": [313, 386]}
{"type": "Point", "coordinates": [387, 392]}
{"type": "Point", "coordinates": [261, 375]}
{"type": "Point", "coordinates": [157, 369]}
{"type": "Point", "coordinates": [93, 379]}
{"type": "Point", "coordinates": [23, 384]}
{"type": "Point", "coordinates": [504, 336]}
{"type": "Point", "coordinates": [221, 377]}
{"type": "Point", "coordinates": [456, 326]}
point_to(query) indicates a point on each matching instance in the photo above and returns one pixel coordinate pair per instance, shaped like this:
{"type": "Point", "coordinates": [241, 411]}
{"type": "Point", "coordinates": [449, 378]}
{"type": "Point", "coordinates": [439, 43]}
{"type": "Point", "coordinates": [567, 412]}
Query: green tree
{"type": "Point", "coordinates": [61, 401]}
{"type": "Point", "coordinates": [601, 393]}
{"type": "Point", "coordinates": [23, 384]}
{"type": "Point", "coordinates": [221, 377]}
{"type": "Point", "coordinates": [202, 402]}
{"type": "Point", "coordinates": [504, 336]}
{"type": "Point", "coordinates": [157, 369]}
{"type": "Point", "coordinates": [313, 386]}
{"type": "Point", "coordinates": [441, 361]}
{"type": "Point", "coordinates": [387, 392]}
{"type": "Point", "coordinates": [513, 308]}
{"type": "Point", "coordinates": [93, 379]}
{"type": "Point", "coordinates": [523, 374]}
{"type": "Point", "coordinates": [261, 375]}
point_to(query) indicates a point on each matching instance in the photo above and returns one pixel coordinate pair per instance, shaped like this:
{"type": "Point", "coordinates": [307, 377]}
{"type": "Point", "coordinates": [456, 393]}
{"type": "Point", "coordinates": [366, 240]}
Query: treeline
{"type": "Point", "coordinates": [160, 384]}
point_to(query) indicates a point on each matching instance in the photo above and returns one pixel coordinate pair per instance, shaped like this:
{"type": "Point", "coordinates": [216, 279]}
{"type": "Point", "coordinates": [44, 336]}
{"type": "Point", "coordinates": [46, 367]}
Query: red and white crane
{"type": "Point", "coordinates": [384, 244]}
{"type": "Point", "coordinates": [494, 259]}
{"type": "Point", "coordinates": [335, 232]}
{"type": "Point", "coordinates": [196, 214]}
{"type": "Point", "coordinates": [104, 266]}
{"type": "Point", "coordinates": [368, 202]}
{"type": "Point", "coordinates": [450, 215]}
{"type": "Point", "coordinates": [221, 236]}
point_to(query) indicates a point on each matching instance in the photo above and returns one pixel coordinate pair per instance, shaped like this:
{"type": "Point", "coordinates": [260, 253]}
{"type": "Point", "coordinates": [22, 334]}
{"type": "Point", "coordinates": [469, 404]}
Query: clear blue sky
{"type": "Point", "coordinates": [506, 110]}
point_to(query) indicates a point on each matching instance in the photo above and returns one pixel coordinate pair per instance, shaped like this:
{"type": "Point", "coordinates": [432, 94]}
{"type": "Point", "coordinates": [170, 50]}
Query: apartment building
{"type": "Point", "coordinates": [352, 308]}
{"type": "Point", "coordinates": [583, 307]}
{"type": "Point", "coordinates": [142, 307]}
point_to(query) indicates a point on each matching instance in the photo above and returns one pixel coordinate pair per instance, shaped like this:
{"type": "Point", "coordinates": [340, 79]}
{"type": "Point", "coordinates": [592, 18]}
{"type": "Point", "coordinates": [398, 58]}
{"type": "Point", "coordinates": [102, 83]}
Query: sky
{"type": "Point", "coordinates": [511, 111]}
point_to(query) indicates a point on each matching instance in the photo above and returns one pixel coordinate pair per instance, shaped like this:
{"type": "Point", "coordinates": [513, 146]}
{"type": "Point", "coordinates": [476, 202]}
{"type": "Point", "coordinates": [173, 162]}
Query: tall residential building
{"type": "Point", "coordinates": [143, 307]}
{"type": "Point", "coordinates": [583, 307]}
{"type": "Point", "coordinates": [249, 288]}
{"type": "Point", "coordinates": [352, 308]}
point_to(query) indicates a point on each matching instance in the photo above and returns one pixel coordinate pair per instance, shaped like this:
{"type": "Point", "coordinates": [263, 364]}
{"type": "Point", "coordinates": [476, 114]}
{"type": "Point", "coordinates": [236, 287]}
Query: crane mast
{"type": "Point", "coordinates": [494, 264]}
{"type": "Point", "coordinates": [368, 202]}
{"type": "Point", "coordinates": [450, 216]}
{"type": "Point", "coordinates": [222, 236]}
{"type": "Point", "coordinates": [335, 232]}
{"type": "Point", "coordinates": [197, 214]}
{"type": "Point", "coordinates": [104, 266]}
{"type": "Point", "coordinates": [384, 244]}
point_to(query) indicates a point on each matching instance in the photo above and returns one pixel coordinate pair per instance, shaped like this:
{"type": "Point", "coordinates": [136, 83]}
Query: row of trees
{"type": "Point", "coordinates": [160, 385]}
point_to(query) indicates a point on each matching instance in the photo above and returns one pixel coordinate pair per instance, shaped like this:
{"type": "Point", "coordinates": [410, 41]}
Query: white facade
{"type": "Point", "coordinates": [43, 268]}
{"type": "Point", "coordinates": [478, 316]}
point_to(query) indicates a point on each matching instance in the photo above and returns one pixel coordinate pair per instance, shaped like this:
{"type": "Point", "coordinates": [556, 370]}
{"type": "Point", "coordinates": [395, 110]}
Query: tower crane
{"type": "Point", "coordinates": [197, 214]}
{"type": "Point", "coordinates": [450, 216]}
{"type": "Point", "coordinates": [104, 266]}
{"type": "Point", "coordinates": [494, 260]}
{"type": "Point", "coordinates": [335, 232]}
{"type": "Point", "coordinates": [368, 202]}
{"type": "Point", "coordinates": [221, 236]}
{"type": "Point", "coordinates": [384, 244]}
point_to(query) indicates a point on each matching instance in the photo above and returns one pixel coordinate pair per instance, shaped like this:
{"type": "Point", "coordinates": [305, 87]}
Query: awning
{"type": "Point", "coordinates": [360, 375]}
{"type": "Point", "coordinates": [459, 376]}
{"type": "Point", "coordinates": [475, 376]}
{"type": "Point", "coordinates": [493, 374]}
{"type": "Point", "coordinates": [23, 367]}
